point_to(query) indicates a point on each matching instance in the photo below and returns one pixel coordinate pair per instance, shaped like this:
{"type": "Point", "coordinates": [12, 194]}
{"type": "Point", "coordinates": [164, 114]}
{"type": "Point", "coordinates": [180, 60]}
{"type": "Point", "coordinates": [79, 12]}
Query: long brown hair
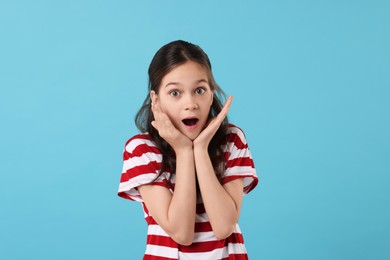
{"type": "Point", "coordinates": [167, 58]}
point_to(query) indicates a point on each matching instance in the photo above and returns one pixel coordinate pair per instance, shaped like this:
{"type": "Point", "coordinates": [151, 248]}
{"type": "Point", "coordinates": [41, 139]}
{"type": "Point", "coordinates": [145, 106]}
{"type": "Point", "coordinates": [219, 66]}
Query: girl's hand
{"type": "Point", "coordinates": [207, 134]}
{"type": "Point", "coordinates": [168, 131]}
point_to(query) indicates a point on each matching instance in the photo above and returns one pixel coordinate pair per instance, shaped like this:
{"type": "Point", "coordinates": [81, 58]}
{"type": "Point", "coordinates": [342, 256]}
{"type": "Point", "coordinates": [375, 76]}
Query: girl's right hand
{"type": "Point", "coordinates": [168, 131]}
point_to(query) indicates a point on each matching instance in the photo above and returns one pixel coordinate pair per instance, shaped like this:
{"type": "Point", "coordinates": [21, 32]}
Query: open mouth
{"type": "Point", "coordinates": [190, 121]}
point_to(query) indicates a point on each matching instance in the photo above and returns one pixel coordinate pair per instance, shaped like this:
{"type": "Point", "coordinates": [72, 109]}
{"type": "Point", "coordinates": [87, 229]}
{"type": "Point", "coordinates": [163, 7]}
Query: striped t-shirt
{"type": "Point", "coordinates": [142, 162]}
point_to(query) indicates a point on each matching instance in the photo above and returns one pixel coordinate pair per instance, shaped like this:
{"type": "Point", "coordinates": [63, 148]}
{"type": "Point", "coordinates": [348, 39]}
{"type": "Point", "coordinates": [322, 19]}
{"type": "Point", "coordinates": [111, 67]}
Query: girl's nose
{"type": "Point", "coordinates": [191, 106]}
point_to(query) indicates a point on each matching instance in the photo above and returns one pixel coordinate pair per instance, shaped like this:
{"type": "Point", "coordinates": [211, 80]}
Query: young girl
{"type": "Point", "coordinates": [189, 167]}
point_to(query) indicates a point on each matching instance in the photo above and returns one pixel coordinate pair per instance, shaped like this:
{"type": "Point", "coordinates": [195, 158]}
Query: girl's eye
{"type": "Point", "coordinates": [200, 91]}
{"type": "Point", "coordinates": [174, 93]}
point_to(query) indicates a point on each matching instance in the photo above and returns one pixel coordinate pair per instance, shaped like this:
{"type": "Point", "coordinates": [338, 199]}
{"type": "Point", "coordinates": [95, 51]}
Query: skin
{"type": "Point", "coordinates": [185, 93]}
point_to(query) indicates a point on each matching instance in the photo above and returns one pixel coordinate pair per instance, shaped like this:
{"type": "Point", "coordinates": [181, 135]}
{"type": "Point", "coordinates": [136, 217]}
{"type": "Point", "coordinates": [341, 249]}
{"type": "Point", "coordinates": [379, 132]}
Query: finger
{"type": "Point", "coordinates": [156, 111]}
{"type": "Point", "coordinates": [225, 109]}
{"type": "Point", "coordinates": [228, 102]}
{"type": "Point", "coordinates": [217, 121]}
{"type": "Point", "coordinates": [162, 120]}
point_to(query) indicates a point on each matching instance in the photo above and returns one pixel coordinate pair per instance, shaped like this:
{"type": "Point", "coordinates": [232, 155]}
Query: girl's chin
{"type": "Point", "coordinates": [191, 135]}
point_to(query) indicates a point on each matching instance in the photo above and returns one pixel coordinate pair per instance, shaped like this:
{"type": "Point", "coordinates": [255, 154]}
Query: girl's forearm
{"type": "Point", "coordinates": [181, 213]}
{"type": "Point", "coordinates": [222, 210]}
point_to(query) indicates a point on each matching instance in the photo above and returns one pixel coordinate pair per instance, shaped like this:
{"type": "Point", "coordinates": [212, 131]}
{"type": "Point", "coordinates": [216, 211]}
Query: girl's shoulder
{"type": "Point", "coordinates": [140, 142]}
{"type": "Point", "coordinates": [235, 131]}
{"type": "Point", "coordinates": [236, 136]}
{"type": "Point", "coordinates": [140, 136]}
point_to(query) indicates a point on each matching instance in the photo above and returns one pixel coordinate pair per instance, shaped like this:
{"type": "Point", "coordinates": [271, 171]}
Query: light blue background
{"type": "Point", "coordinates": [311, 87]}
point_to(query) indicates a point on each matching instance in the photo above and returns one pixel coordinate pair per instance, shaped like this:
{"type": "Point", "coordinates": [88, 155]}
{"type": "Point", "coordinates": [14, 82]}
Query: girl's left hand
{"type": "Point", "coordinates": [207, 134]}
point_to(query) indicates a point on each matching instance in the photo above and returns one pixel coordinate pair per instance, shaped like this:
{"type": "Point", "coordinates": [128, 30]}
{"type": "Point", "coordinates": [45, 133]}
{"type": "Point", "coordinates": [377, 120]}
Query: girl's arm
{"type": "Point", "coordinates": [222, 203]}
{"type": "Point", "coordinates": [174, 212]}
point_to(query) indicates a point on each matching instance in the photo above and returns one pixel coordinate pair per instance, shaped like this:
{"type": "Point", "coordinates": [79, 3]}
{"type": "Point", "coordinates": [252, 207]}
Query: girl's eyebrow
{"type": "Point", "coordinates": [178, 83]}
{"type": "Point", "coordinates": [172, 83]}
{"type": "Point", "coordinates": [202, 80]}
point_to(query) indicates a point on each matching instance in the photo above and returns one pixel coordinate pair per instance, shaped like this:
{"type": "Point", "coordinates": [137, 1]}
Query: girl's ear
{"type": "Point", "coordinates": [153, 97]}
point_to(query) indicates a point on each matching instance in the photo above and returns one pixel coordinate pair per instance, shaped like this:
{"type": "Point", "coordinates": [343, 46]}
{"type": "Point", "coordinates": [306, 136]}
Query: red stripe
{"type": "Point", "coordinates": [143, 148]}
{"type": "Point", "coordinates": [125, 196]}
{"type": "Point", "coordinates": [203, 246]}
{"type": "Point", "coordinates": [203, 227]}
{"type": "Point", "coordinates": [139, 170]}
{"type": "Point", "coordinates": [145, 208]}
{"type": "Point", "coordinates": [150, 220]}
{"type": "Point", "coordinates": [235, 238]}
{"type": "Point", "coordinates": [139, 136]}
{"type": "Point", "coordinates": [240, 161]}
{"type": "Point", "coordinates": [226, 156]}
{"type": "Point", "coordinates": [161, 241]}
{"type": "Point", "coordinates": [236, 140]}
{"type": "Point", "coordinates": [154, 257]}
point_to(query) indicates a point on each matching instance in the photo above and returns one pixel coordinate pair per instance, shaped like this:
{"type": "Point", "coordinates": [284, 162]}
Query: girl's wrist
{"type": "Point", "coordinates": [198, 147]}
{"type": "Point", "coordinates": [183, 149]}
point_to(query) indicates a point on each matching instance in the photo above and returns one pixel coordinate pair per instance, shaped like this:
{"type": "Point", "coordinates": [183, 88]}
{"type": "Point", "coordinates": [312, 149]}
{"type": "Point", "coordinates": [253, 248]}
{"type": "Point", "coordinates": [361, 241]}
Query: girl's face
{"type": "Point", "coordinates": [186, 97]}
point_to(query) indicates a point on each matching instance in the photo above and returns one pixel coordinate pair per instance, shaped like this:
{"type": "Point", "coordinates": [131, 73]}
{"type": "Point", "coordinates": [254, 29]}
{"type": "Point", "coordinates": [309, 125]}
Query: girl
{"type": "Point", "coordinates": [189, 168]}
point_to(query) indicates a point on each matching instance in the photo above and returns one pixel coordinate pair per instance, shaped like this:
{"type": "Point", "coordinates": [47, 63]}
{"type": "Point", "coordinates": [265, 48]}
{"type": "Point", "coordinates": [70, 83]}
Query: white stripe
{"type": "Point", "coordinates": [240, 170]}
{"type": "Point", "coordinates": [240, 134]}
{"type": "Point", "coordinates": [204, 237]}
{"type": "Point", "coordinates": [210, 236]}
{"type": "Point", "coordinates": [144, 159]}
{"type": "Point", "coordinates": [232, 147]}
{"type": "Point", "coordinates": [236, 248]}
{"type": "Point", "coordinates": [136, 142]}
{"type": "Point", "coordinates": [136, 181]}
{"type": "Point", "coordinates": [201, 218]}
{"type": "Point", "coordinates": [237, 229]}
{"type": "Point", "coordinates": [239, 153]}
{"type": "Point", "coordinates": [162, 251]}
{"type": "Point", "coordinates": [156, 230]}
{"type": "Point", "coordinates": [218, 253]}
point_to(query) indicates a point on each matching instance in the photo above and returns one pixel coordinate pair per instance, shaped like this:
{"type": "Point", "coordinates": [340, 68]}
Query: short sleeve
{"type": "Point", "coordinates": [141, 165]}
{"type": "Point", "coordinates": [239, 162]}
